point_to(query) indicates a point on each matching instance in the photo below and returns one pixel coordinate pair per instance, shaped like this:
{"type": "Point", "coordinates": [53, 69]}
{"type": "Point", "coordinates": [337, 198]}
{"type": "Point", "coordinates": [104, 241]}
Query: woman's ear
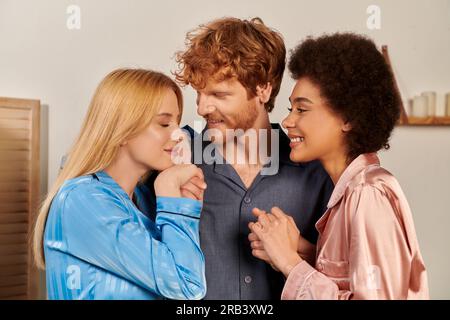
{"type": "Point", "coordinates": [264, 93]}
{"type": "Point", "coordinates": [346, 127]}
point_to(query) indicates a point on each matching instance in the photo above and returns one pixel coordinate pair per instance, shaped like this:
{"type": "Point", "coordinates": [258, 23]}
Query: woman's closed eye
{"type": "Point", "coordinates": [167, 124]}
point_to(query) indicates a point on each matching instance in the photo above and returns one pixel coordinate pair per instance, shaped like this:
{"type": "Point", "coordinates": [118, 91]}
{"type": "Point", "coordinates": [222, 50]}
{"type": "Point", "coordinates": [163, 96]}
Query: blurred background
{"type": "Point", "coordinates": [58, 51]}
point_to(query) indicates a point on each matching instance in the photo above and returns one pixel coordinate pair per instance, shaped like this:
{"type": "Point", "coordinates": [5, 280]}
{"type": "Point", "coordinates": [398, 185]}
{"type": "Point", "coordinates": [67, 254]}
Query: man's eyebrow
{"type": "Point", "coordinates": [300, 100]}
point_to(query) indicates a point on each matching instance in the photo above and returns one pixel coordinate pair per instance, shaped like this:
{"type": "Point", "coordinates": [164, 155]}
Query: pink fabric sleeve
{"type": "Point", "coordinates": [306, 283]}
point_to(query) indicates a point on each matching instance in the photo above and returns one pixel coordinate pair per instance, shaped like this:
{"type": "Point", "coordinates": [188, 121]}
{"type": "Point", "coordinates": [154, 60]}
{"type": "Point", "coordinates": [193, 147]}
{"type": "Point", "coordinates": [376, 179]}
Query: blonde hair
{"type": "Point", "coordinates": [122, 106]}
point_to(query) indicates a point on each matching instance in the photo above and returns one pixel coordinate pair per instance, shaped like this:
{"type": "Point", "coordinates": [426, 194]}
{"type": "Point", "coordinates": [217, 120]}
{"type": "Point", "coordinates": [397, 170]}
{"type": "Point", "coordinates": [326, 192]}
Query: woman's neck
{"type": "Point", "coordinates": [126, 173]}
{"type": "Point", "coordinates": [335, 165]}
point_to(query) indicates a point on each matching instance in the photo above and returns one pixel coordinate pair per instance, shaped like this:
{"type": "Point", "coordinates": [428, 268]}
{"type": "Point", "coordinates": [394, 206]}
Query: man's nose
{"type": "Point", "coordinates": [204, 106]}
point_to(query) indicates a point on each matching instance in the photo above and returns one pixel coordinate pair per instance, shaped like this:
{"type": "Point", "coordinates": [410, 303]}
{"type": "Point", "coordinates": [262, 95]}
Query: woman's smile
{"type": "Point", "coordinates": [295, 141]}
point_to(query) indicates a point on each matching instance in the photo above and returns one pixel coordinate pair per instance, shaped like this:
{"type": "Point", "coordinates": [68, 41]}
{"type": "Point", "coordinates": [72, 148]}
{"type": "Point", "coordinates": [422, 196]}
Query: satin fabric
{"type": "Point", "coordinates": [367, 246]}
{"type": "Point", "coordinates": [99, 245]}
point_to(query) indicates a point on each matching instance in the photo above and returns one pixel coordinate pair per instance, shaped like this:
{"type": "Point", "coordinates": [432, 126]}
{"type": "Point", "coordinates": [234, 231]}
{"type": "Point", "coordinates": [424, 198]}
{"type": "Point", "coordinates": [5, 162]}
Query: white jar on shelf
{"type": "Point", "coordinates": [431, 102]}
{"type": "Point", "coordinates": [420, 107]}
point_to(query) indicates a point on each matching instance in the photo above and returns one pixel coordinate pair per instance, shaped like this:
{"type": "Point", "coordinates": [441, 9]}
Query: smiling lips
{"type": "Point", "coordinates": [213, 121]}
{"type": "Point", "coordinates": [298, 139]}
{"type": "Point", "coordinates": [295, 140]}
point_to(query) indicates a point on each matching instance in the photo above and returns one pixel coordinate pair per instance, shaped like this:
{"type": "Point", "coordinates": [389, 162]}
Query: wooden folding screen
{"type": "Point", "coordinates": [19, 195]}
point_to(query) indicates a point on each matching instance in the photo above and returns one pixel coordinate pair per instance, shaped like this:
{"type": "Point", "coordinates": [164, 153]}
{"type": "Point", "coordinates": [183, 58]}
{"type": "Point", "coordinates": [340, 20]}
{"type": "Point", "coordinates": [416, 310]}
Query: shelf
{"type": "Point", "coordinates": [428, 121]}
{"type": "Point", "coordinates": [412, 121]}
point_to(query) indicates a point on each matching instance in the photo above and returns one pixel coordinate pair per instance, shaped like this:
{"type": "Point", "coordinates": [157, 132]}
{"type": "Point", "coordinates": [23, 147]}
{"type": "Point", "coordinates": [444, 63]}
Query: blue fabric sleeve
{"type": "Point", "coordinates": [98, 229]}
{"type": "Point", "coordinates": [178, 219]}
{"type": "Point", "coordinates": [183, 206]}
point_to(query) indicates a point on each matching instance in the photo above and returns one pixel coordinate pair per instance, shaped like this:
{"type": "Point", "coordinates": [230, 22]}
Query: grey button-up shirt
{"type": "Point", "coordinates": [300, 190]}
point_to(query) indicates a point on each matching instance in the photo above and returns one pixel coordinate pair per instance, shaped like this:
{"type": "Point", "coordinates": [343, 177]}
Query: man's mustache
{"type": "Point", "coordinates": [213, 118]}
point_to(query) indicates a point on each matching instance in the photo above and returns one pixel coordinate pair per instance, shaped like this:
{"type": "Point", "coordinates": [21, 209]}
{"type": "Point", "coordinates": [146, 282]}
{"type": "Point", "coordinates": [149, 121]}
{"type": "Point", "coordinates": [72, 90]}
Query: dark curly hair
{"type": "Point", "coordinates": [357, 84]}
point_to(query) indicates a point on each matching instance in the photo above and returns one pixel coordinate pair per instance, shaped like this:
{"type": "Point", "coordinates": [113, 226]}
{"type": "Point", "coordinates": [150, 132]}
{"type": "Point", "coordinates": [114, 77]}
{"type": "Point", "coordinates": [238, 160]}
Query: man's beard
{"type": "Point", "coordinates": [247, 119]}
{"type": "Point", "coordinates": [243, 121]}
{"type": "Point", "coordinates": [235, 127]}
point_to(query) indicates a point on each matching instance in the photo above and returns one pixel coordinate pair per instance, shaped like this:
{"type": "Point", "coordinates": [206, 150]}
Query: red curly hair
{"type": "Point", "coordinates": [233, 48]}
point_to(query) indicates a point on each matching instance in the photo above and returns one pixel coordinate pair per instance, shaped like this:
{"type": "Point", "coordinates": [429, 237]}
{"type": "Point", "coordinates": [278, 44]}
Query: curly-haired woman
{"type": "Point", "coordinates": [344, 108]}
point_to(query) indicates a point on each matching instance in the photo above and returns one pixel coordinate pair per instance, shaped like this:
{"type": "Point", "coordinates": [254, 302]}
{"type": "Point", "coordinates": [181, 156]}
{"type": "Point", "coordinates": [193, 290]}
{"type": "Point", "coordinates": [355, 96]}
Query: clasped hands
{"type": "Point", "coordinates": [275, 239]}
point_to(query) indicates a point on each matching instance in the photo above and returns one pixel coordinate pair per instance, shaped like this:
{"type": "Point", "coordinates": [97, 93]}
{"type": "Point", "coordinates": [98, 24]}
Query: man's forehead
{"type": "Point", "coordinates": [214, 84]}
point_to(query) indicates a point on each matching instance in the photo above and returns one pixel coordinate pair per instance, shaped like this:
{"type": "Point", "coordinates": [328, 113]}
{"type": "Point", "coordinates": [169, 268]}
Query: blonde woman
{"type": "Point", "coordinates": [95, 234]}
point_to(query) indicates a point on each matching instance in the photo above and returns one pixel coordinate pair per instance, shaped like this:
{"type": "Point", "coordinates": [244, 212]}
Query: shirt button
{"type": "Point", "coordinates": [248, 279]}
{"type": "Point", "coordinates": [320, 266]}
{"type": "Point", "coordinates": [247, 200]}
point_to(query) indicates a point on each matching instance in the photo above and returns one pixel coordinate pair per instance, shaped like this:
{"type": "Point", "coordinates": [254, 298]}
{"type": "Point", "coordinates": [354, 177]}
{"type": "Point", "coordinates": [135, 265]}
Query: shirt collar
{"type": "Point", "coordinates": [355, 168]}
{"type": "Point", "coordinates": [105, 178]}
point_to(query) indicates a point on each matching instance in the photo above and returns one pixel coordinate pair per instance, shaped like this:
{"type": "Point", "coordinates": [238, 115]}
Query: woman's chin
{"type": "Point", "coordinates": [168, 165]}
{"type": "Point", "coordinates": [298, 156]}
{"type": "Point", "coordinates": [163, 165]}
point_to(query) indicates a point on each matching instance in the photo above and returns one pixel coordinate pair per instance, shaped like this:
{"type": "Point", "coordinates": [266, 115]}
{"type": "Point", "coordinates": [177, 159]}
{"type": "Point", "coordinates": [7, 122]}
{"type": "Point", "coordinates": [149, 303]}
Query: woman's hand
{"type": "Point", "coordinates": [276, 239]}
{"type": "Point", "coordinates": [306, 249]}
{"type": "Point", "coordinates": [258, 249]}
{"type": "Point", "coordinates": [184, 180]}
{"type": "Point", "coordinates": [256, 243]}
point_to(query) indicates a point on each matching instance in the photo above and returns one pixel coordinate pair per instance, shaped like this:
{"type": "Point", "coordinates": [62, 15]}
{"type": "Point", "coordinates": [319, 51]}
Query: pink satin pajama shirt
{"type": "Point", "coordinates": [367, 246]}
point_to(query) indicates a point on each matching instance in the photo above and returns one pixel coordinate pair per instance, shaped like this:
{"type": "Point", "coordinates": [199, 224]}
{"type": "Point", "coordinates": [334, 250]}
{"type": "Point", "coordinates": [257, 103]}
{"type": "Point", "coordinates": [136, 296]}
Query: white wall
{"type": "Point", "coordinates": [41, 58]}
